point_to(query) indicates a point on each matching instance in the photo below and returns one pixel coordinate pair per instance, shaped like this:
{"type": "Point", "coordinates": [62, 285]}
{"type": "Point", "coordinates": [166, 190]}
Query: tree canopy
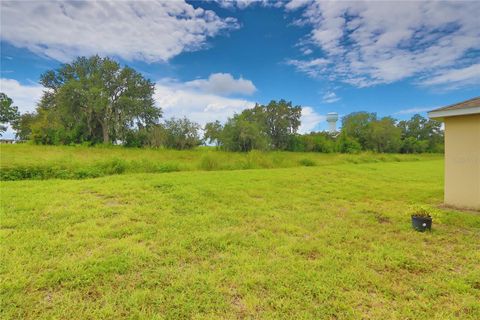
{"type": "Point", "coordinates": [8, 112]}
{"type": "Point", "coordinates": [94, 99]}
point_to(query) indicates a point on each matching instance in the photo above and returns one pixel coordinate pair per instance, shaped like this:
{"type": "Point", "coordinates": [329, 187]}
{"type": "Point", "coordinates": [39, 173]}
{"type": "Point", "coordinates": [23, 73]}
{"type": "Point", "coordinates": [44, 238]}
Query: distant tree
{"type": "Point", "coordinates": [95, 99]}
{"type": "Point", "coordinates": [242, 134]}
{"type": "Point", "coordinates": [23, 125]}
{"type": "Point", "coordinates": [313, 142]}
{"type": "Point", "coordinates": [213, 132]}
{"type": "Point", "coordinates": [8, 112]}
{"type": "Point", "coordinates": [347, 144]}
{"type": "Point", "coordinates": [384, 136]}
{"type": "Point", "coordinates": [280, 120]}
{"type": "Point", "coordinates": [421, 135]}
{"type": "Point", "coordinates": [182, 133]}
{"type": "Point", "coordinates": [357, 125]}
{"type": "Point", "coordinates": [157, 136]}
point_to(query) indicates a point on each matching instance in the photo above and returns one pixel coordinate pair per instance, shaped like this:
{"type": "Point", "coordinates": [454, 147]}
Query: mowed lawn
{"type": "Point", "coordinates": [324, 242]}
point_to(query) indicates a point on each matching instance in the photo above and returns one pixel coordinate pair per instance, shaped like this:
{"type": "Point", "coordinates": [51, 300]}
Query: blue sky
{"type": "Point", "coordinates": [212, 59]}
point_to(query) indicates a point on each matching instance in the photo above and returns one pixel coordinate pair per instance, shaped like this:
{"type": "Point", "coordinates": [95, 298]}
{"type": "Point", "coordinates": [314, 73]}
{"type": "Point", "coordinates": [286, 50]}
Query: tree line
{"type": "Point", "coordinates": [96, 100]}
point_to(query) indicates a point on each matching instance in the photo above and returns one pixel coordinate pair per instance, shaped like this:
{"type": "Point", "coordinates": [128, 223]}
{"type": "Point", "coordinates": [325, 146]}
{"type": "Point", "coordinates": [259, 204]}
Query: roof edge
{"type": "Point", "coordinates": [439, 113]}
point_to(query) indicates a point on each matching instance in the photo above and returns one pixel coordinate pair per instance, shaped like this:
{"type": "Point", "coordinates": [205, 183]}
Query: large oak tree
{"type": "Point", "coordinates": [95, 99]}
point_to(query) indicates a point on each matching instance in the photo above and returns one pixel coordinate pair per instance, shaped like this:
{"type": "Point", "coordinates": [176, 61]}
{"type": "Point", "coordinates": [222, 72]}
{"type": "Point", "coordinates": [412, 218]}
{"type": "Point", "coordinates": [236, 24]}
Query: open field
{"type": "Point", "coordinates": [26, 161]}
{"type": "Point", "coordinates": [331, 241]}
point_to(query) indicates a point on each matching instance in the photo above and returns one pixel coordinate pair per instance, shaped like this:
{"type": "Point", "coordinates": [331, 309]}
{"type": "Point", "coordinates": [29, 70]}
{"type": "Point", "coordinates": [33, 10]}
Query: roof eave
{"type": "Point", "coordinates": [440, 114]}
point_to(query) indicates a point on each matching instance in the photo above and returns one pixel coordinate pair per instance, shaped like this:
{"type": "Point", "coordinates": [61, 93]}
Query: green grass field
{"type": "Point", "coordinates": [330, 241]}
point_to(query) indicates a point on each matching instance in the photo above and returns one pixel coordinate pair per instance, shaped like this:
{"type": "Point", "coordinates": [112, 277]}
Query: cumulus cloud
{"type": "Point", "coordinates": [369, 43]}
{"type": "Point", "coordinates": [137, 30]}
{"type": "Point", "coordinates": [179, 100]}
{"type": "Point", "coordinates": [310, 120]}
{"type": "Point", "coordinates": [25, 97]}
{"type": "Point", "coordinates": [223, 84]}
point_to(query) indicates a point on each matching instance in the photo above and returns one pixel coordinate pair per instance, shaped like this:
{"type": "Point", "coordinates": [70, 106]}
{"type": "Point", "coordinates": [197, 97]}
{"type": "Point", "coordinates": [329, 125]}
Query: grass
{"type": "Point", "coordinates": [330, 241]}
{"type": "Point", "coordinates": [25, 161]}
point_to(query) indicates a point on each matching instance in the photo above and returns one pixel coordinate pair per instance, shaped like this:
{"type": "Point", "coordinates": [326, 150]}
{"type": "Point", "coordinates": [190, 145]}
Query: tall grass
{"type": "Point", "coordinates": [22, 162]}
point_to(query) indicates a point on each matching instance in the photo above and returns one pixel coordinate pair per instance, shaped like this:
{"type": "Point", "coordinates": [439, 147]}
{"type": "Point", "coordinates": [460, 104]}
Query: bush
{"type": "Point", "coordinates": [346, 144]}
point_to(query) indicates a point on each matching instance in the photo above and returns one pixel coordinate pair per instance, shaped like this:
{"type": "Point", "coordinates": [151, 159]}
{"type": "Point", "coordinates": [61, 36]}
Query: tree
{"type": "Point", "coordinates": [8, 112]}
{"type": "Point", "coordinates": [182, 133]}
{"type": "Point", "coordinates": [95, 99]}
{"type": "Point", "coordinates": [23, 125]}
{"type": "Point", "coordinates": [279, 119]}
{"type": "Point", "coordinates": [357, 125]}
{"type": "Point", "coordinates": [213, 132]}
{"type": "Point", "coordinates": [346, 144]}
{"type": "Point", "coordinates": [384, 136]}
{"type": "Point", "coordinates": [240, 133]}
{"type": "Point", "coordinates": [420, 135]}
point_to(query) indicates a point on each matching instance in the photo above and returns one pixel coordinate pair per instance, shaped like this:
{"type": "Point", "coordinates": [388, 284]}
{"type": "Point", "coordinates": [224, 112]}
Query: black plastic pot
{"type": "Point", "coordinates": [421, 223]}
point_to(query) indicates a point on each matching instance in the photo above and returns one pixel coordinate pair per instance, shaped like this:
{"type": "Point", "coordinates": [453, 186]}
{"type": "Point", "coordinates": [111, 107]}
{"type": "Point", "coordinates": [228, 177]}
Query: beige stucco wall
{"type": "Point", "coordinates": [462, 161]}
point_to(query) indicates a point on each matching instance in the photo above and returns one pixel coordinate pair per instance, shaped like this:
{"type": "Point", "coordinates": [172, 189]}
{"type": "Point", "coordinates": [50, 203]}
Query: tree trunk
{"type": "Point", "coordinates": [106, 135]}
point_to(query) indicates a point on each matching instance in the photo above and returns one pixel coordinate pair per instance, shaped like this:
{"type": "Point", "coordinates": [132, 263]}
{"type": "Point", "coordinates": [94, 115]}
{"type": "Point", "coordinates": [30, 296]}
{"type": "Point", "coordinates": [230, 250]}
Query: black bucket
{"type": "Point", "coordinates": [421, 223]}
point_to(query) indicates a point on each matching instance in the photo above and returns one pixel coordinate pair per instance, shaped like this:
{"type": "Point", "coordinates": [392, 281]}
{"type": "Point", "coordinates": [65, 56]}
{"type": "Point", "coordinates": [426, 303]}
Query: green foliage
{"type": "Point", "coordinates": [421, 135]}
{"type": "Point", "coordinates": [420, 211]}
{"type": "Point", "coordinates": [260, 128]}
{"type": "Point", "coordinates": [383, 136]}
{"type": "Point", "coordinates": [213, 132]}
{"type": "Point", "coordinates": [280, 120]}
{"type": "Point", "coordinates": [313, 142]}
{"type": "Point", "coordinates": [8, 112]}
{"type": "Point", "coordinates": [357, 125]}
{"type": "Point", "coordinates": [243, 134]}
{"type": "Point", "coordinates": [93, 99]}
{"type": "Point", "coordinates": [23, 125]}
{"type": "Point", "coordinates": [181, 134]}
{"type": "Point", "coordinates": [346, 144]}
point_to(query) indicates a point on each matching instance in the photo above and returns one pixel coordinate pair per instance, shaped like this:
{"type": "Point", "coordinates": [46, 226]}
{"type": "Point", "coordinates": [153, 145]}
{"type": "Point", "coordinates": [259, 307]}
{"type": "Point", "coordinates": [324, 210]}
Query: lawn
{"type": "Point", "coordinates": [331, 241]}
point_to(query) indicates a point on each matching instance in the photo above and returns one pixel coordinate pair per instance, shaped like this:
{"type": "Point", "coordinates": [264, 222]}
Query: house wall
{"type": "Point", "coordinates": [462, 161]}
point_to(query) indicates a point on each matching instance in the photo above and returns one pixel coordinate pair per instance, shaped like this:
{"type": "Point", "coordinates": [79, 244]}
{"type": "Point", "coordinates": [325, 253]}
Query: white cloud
{"type": "Point", "coordinates": [330, 97]}
{"type": "Point", "coordinates": [296, 4]}
{"type": "Point", "coordinates": [369, 43]}
{"type": "Point", "coordinates": [310, 120]}
{"type": "Point", "coordinates": [453, 77]}
{"type": "Point", "coordinates": [313, 68]}
{"type": "Point", "coordinates": [177, 100]}
{"type": "Point", "coordinates": [243, 4]}
{"type": "Point", "coordinates": [25, 97]}
{"type": "Point", "coordinates": [223, 84]}
{"type": "Point", "coordinates": [413, 110]}
{"type": "Point", "coordinates": [137, 30]}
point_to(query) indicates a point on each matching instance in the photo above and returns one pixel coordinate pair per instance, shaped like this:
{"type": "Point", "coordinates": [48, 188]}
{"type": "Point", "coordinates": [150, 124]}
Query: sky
{"type": "Point", "coordinates": [212, 59]}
